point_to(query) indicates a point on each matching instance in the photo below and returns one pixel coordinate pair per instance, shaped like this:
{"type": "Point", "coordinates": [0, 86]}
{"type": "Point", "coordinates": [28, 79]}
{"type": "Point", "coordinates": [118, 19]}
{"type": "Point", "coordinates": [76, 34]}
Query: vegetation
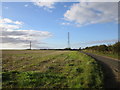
{"type": "Point", "coordinates": [110, 50]}
{"type": "Point", "coordinates": [50, 69]}
{"type": "Point", "coordinates": [67, 49]}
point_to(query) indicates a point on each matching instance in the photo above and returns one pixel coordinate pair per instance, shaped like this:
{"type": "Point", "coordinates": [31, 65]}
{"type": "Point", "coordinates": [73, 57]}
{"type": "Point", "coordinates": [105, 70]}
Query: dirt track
{"type": "Point", "coordinates": [111, 69]}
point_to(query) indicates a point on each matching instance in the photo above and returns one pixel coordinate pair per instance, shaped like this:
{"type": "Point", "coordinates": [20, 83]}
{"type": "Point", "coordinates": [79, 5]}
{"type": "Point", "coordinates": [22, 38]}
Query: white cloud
{"type": "Point", "coordinates": [48, 6]}
{"type": "Point", "coordinates": [93, 43]}
{"type": "Point", "coordinates": [26, 5]}
{"type": "Point", "coordinates": [6, 23]}
{"type": "Point", "coordinates": [24, 35]}
{"type": "Point", "coordinates": [91, 13]}
{"type": "Point", "coordinates": [65, 6]}
{"type": "Point", "coordinates": [45, 4]}
{"type": "Point", "coordinates": [101, 41]}
{"type": "Point", "coordinates": [7, 26]}
{"type": "Point", "coordinates": [14, 37]}
{"type": "Point", "coordinates": [18, 23]}
{"type": "Point", "coordinates": [6, 7]}
{"type": "Point", "coordinates": [64, 23]}
{"type": "Point", "coordinates": [6, 20]}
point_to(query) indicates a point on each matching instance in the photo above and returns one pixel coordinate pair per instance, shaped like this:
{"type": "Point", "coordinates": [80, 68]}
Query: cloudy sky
{"type": "Point", "coordinates": [46, 24]}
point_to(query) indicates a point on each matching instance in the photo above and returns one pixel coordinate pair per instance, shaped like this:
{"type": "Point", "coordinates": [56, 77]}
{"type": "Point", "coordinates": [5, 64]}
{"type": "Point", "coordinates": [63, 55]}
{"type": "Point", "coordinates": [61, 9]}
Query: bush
{"type": "Point", "coordinates": [115, 48]}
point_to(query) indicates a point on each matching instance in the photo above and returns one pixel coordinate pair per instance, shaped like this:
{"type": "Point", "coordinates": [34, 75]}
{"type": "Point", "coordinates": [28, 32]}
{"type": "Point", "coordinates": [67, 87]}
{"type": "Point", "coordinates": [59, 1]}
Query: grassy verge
{"type": "Point", "coordinates": [108, 54]}
{"type": "Point", "coordinates": [68, 69]}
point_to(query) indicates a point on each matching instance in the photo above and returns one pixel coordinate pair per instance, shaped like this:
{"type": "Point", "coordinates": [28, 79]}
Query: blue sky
{"type": "Point", "coordinates": [86, 27]}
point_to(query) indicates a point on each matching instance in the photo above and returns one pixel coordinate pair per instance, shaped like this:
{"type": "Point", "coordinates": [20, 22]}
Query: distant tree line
{"type": "Point", "coordinates": [57, 49]}
{"type": "Point", "coordinates": [115, 48]}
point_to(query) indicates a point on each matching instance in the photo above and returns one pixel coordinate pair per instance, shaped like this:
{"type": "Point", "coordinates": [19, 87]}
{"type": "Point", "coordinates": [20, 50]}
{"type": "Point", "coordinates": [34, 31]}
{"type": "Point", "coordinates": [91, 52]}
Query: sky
{"type": "Point", "coordinates": [46, 24]}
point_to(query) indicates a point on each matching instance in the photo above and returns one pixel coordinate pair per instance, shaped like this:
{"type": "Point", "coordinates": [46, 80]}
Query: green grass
{"type": "Point", "coordinates": [50, 69]}
{"type": "Point", "coordinates": [108, 54]}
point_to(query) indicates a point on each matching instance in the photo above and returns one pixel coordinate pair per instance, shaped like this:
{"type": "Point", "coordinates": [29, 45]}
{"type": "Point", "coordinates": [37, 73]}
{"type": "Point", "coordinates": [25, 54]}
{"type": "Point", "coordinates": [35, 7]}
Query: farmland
{"type": "Point", "coordinates": [50, 69]}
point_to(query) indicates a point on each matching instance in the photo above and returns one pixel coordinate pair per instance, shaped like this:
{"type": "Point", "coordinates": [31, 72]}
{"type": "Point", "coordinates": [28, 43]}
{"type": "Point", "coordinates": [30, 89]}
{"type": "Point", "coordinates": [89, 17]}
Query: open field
{"type": "Point", "coordinates": [50, 69]}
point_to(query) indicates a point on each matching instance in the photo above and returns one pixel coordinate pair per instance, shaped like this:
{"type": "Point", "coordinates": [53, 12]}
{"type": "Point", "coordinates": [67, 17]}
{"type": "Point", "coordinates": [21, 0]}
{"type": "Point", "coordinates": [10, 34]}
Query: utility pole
{"type": "Point", "coordinates": [68, 40]}
{"type": "Point", "coordinates": [30, 45]}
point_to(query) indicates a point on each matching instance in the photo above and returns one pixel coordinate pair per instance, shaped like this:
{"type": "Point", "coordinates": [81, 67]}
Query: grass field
{"type": "Point", "coordinates": [50, 69]}
{"type": "Point", "coordinates": [108, 54]}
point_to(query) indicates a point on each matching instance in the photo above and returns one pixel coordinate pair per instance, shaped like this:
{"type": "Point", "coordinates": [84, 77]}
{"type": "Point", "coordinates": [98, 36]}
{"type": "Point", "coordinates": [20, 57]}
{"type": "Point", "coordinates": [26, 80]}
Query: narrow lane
{"type": "Point", "coordinates": [111, 70]}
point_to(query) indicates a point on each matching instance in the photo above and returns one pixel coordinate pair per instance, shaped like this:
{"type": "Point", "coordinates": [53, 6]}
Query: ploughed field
{"type": "Point", "coordinates": [49, 69]}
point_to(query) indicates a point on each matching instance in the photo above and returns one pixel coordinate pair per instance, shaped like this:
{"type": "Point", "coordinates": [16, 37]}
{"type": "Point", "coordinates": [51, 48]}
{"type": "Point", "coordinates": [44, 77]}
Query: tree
{"type": "Point", "coordinates": [67, 48]}
{"type": "Point", "coordinates": [116, 47]}
{"type": "Point", "coordinates": [102, 48]}
{"type": "Point", "coordinates": [80, 48]}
